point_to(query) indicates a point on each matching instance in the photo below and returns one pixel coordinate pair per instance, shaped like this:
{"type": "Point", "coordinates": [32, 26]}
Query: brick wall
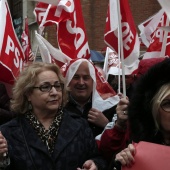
{"type": "Point", "coordinates": [50, 35]}
{"type": "Point", "coordinates": [142, 9]}
{"type": "Point", "coordinates": [94, 12]}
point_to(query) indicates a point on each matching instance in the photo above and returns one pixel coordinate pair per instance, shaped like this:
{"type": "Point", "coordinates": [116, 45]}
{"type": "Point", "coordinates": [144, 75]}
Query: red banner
{"type": "Point", "coordinates": [156, 37]}
{"type": "Point", "coordinates": [26, 45]}
{"type": "Point", "coordinates": [129, 34]}
{"type": "Point", "coordinates": [11, 54]}
{"type": "Point", "coordinates": [72, 37]}
{"type": "Point", "coordinates": [39, 11]}
{"type": "Point", "coordinates": [150, 156]}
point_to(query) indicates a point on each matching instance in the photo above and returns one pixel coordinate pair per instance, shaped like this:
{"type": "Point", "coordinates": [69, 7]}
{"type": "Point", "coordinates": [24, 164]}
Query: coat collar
{"type": "Point", "coordinates": [67, 131]}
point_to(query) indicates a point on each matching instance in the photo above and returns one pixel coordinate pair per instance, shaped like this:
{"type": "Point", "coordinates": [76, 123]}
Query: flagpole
{"type": "Point", "coordinates": [105, 66]}
{"type": "Point", "coordinates": [163, 50]}
{"type": "Point", "coordinates": [120, 48]}
{"type": "Point", "coordinates": [119, 51]}
{"type": "Point", "coordinates": [119, 59]}
{"type": "Point", "coordinates": [41, 27]}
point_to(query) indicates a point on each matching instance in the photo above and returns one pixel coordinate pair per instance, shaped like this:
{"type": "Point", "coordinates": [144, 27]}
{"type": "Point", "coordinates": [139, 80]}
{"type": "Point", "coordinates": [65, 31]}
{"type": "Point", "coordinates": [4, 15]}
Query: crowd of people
{"type": "Point", "coordinates": [49, 122]}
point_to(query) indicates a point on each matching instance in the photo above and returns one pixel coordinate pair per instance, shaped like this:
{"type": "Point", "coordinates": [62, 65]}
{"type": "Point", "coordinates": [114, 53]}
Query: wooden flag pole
{"type": "Point", "coordinates": [120, 48]}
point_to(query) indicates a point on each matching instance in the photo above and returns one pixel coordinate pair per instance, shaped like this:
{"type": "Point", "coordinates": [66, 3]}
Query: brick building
{"type": "Point", "coordinates": [94, 12]}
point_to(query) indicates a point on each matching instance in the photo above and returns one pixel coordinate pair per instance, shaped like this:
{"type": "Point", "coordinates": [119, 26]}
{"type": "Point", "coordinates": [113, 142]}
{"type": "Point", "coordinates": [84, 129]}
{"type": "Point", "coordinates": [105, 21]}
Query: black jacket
{"type": "Point", "coordinates": [72, 107]}
{"type": "Point", "coordinates": [74, 145]}
{"type": "Point", "coordinates": [5, 113]}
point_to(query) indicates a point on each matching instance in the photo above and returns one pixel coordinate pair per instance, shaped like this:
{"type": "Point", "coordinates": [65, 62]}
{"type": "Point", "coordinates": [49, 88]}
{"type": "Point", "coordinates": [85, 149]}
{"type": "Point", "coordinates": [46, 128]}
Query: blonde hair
{"type": "Point", "coordinates": [26, 80]}
{"type": "Point", "coordinates": [163, 92]}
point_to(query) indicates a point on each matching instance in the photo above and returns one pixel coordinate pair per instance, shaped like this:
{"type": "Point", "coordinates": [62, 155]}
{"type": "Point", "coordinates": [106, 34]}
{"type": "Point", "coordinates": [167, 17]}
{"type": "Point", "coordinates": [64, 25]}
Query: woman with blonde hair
{"type": "Point", "coordinates": [149, 111]}
{"type": "Point", "coordinates": [45, 135]}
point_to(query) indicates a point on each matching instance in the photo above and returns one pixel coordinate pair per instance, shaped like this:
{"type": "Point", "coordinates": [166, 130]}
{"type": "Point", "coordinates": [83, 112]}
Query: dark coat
{"type": "Point", "coordinates": [142, 124]}
{"type": "Point", "coordinates": [75, 144]}
{"type": "Point", "coordinates": [5, 113]}
{"type": "Point", "coordinates": [71, 107]}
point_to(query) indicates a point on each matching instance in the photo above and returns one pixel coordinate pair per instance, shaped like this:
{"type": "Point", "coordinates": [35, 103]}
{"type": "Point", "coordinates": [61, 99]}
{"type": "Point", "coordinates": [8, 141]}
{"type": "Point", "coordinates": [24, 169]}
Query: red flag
{"type": "Point", "coordinates": [72, 37]}
{"type": "Point", "coordinates": [148, 27]}
{"type": "Point", "coordinates": [159, 43]}
{"type": "Point", "coordinates": [113, 66]}
{"type": "Point", "coordinates": [50, 54]}
{"type": "Point", "coordinates": [129, 34]}
{"type": "Point", "coordinates": [11, 54]}
{"type": "Point", "coordinates": [26, 45]}
{"type": "Point", "coordinates": [39, 12]}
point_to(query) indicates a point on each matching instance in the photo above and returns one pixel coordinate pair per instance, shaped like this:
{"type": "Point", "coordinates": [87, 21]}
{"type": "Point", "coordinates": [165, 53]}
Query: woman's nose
{"type": "Point", "coordinates": [53, 90]}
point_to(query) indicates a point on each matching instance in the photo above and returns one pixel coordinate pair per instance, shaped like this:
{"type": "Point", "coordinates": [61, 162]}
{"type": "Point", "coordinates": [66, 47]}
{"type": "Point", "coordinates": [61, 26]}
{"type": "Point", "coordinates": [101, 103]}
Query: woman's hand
{"type": "Point", "coordinates": [89, 165]}
{"type": "Point", "coordinates": [121, 111]}
{"type": "Point", "coordinates": [3, 147]}
{"type": "Point", "coordinates": [125, 157]}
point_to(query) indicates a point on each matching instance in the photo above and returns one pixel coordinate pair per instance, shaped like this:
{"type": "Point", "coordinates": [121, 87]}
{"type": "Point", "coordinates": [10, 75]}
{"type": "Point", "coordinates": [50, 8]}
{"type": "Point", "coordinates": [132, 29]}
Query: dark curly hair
{"type": "Point", "coordinates": [140, 111]}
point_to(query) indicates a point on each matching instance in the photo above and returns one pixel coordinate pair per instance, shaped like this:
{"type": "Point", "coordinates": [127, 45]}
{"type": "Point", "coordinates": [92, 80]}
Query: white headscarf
{"type": "Point", "coordinates": [97, 101]}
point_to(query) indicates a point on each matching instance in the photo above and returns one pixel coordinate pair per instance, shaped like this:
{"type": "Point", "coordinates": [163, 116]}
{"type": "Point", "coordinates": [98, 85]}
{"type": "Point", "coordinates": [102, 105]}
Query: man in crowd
{"type": "Point", "coordinates": [80, 81]}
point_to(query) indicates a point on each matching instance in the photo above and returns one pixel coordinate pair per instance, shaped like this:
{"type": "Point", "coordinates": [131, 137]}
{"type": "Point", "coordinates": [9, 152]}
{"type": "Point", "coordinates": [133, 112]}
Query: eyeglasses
{"type": "Point", "coordinates": [46, 87]}
{"type": "Point", "coordinates": [165, 105]}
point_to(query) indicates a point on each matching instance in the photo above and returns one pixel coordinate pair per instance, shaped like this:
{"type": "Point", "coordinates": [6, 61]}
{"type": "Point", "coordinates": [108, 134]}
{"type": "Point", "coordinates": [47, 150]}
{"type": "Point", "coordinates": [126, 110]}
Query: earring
{"type": "Point", "coordinates": [60, 109]}
{"type": "Point", "coordinates": [29, 106]}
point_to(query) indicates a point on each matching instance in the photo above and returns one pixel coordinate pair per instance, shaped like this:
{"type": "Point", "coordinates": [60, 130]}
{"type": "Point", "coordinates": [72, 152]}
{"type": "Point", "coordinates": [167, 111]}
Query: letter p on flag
{"type": "Point", "coordinates": [11, 54]}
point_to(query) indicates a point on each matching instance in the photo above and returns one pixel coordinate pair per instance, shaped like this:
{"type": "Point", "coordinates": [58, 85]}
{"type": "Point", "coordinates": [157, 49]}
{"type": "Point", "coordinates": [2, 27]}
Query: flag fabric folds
{"type": "Point", "coordinates": [130, 37]}
{"type": "Point", "coordinates": [113, 66]}
{"type": "Point", "coordinates": [148, 27]}
{"type": "Point", "coordinates": [39, 12]}
{"type": "Point", "coordinates": [11, 54]}
{"type": "Point", "coordinates": [49, 53]}
{"type": "Point", "coordinates": [71, 34]}
{"type": "Point", "coordinates": [165, 6]}
{"type": "Point", "coordinates": [26, 45]}
{"type": "Point", "coordinates": [156, 38]}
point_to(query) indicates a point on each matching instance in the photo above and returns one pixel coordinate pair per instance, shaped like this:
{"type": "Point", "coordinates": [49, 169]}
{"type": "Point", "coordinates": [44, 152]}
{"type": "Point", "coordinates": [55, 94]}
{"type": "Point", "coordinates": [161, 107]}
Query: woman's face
{"type": "Point", "coordinates": [46, 102]}
{"type": "Point", "coordinates": [164, 114]}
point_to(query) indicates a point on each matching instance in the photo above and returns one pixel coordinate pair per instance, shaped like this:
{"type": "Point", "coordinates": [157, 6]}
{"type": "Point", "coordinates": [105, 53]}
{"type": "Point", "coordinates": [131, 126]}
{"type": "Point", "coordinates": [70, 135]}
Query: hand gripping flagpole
{"type": "Point", "coordinates": [120, 49]}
